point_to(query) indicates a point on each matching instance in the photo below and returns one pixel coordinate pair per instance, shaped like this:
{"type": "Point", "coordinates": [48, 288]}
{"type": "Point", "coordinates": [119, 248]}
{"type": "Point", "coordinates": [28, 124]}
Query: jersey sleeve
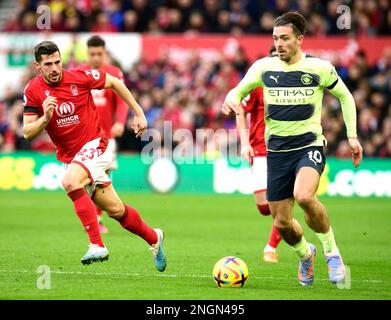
{"type": "Point", "coordinates": [93, 79]}
{"type": "Point", "coordinates": [348, 107]}
{"type": "Point", "coordinates": [330, 76]}
{"type": "Point", "coordinates": [30, 104]}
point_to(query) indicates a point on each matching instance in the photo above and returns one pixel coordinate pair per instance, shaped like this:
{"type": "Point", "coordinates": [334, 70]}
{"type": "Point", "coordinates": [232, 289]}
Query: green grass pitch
{"type": "Point", "coordinates": [40, 228]}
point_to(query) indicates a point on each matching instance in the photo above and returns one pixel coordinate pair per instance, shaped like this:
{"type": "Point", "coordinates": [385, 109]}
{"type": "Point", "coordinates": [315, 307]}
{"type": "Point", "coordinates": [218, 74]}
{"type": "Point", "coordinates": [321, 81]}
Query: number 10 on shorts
{"type": "Point", "coordinates": [315, 156]}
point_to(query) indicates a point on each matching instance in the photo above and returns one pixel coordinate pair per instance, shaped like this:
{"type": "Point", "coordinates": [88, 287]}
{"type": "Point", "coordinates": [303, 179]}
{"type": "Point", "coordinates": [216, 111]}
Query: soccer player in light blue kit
{"type": "Point", "coordinates": [293, 85]}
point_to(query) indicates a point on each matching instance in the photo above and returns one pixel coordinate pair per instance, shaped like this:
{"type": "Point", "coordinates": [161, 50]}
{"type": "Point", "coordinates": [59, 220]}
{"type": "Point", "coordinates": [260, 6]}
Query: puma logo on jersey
{"type": "Point", "coordinates": [275, 78]}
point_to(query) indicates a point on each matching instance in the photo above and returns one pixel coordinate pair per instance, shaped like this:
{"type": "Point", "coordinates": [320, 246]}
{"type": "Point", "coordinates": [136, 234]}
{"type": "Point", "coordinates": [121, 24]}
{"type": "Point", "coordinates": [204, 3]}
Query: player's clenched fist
{"type": "Point", "coordinates": [48, 105]}
{"type": "Point", "coordinates": [139, 125]}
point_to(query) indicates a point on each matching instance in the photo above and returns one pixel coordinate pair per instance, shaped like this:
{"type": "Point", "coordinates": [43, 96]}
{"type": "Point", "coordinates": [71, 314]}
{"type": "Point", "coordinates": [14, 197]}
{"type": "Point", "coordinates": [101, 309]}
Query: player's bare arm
{"type": "Point", "coordinates": [246, 150]}
{"type": "Point", "coordinates": [117, 130]}
{"type": "Point", "coordinates": [34, 125]}
{"type": "Point", "coordinates": [139, 120]}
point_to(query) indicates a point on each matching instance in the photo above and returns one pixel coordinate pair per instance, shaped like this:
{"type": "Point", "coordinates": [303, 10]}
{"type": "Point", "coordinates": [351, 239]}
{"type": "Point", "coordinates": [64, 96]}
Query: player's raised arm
{"type": "Point", "coordinates": [34, 125]}
{"type": "Point", "coordinates": [348, 106]}
{"type": "Point", "coordinates": [139, 121]}
{"type": "Point", "coordinates": [121, 114]}
{"type": "Point", "coordinates": [251, 80]}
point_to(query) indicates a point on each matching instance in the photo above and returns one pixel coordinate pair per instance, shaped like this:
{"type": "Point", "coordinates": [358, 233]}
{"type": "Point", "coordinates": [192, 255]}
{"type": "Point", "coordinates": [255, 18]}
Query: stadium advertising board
{"type": "Point", "coordinates": [32, 171]}
{"type": "Point", "coordinates": [335, 49]}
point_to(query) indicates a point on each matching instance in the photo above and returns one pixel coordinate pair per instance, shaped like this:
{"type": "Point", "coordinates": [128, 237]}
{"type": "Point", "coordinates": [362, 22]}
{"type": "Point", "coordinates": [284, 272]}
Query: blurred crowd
{"type": "Point", "coordinates": [367, 17]}
{"type": "Point", "coordinates": [189, 96]}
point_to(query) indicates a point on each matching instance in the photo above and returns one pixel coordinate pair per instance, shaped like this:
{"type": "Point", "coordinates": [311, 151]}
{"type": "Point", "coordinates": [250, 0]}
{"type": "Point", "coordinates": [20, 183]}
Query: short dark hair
{"type": "Point", "coordinates": [295, 20]}
{"type": "Point", "coordinates": [44, 47]}
{"type": "Point", "coordinates": [96, 41]}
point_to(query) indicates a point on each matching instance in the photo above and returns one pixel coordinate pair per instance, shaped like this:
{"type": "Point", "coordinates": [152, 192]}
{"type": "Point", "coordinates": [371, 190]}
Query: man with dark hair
{"type": "Point", "coordinates": [293, 85]}
{"type": "Point", "coordinates": [60, 102]}
{"type": "Point", "coordinates": [112, 110]}
{"type": "Point", "coordinates": [96, 41]}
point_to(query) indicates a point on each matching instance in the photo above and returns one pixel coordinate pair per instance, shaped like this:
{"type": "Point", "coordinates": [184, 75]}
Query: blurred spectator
{"type": "Point", "coordinates": [130, 21]}
{"type": "Point", "coordinates": [266, 23]}
{"type": "Point", "coordinates": [103, 24]}
{"type": "Point", "coordinates": [370, 17]}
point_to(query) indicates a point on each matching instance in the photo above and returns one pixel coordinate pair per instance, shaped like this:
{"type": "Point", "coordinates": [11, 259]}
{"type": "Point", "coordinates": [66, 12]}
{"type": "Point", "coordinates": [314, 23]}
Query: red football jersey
{"type": "Point", "coordinates": [111, 108]}
{"type": "Point", "coordinates": [75, 120]}
{"type": "Point", "coordinates": [253, 104]}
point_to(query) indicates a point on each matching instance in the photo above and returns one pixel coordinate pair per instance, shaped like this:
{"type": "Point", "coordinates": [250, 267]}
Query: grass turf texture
{"type": "Point", "coordinates": [40, 228]}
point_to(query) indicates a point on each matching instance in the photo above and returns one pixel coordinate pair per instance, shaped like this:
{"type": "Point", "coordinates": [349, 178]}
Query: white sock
{"type": "Point", "coordinates": [269, 248]}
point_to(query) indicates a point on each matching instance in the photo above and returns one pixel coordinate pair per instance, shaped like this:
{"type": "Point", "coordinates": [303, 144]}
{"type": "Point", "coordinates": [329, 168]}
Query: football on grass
{"type": "Point", "coordinates": [230, 272]}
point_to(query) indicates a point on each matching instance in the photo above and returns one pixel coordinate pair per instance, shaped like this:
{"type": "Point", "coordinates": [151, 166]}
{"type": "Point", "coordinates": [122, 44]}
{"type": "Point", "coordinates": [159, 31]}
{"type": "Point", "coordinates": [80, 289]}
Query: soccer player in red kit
{"type": "Point", "coordinates": [112, 110]}
{"type": "Point", "coordinates": [253, 149]}
{"type": "Point", "coordinates": [60, 101]}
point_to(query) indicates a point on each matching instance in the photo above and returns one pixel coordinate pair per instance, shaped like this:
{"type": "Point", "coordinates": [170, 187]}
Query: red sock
{"type": "Point", "coordinates": [132, 222]}
{"type": "Point", "coordinates": [264, 209]}
{"type": "Point", "coordinates": [274, 238]}
{"type": "Point", "coordinates": [85, 210]}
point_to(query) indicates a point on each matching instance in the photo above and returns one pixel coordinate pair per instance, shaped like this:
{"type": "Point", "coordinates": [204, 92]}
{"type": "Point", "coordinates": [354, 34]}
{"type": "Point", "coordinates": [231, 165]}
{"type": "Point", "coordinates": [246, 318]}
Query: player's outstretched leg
{"type": "Point", "coordinates": [107, 199]}
{"type": "Point", "coordinates": [304, 250]}
{"type": "Point", "coordinates": [158, 251]}
{"type": "Point", "coordinates": [315, 214]}
{"type": "Point", "coordinates": [305, 273]}
{"type": "Point", "coordinates": [132, 222]}
{"type": "Point", "coordinates": [333, 258]}
{"type": "Point", "coordinates": [317, 219]}
{"type": "Point", "coordinates": [73, 183]}
{"type": "Point", "coordinates": [292, 232]}
{"type": "Point", "coordinates": [269, 252]}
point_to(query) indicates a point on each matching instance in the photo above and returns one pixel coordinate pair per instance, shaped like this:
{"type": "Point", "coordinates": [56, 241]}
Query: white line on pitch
{"type": "Point", "coordinates": [164, 275]}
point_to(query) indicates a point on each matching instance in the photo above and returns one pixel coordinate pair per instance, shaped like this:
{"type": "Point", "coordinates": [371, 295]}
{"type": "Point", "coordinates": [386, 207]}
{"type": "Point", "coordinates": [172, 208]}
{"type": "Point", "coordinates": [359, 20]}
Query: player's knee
{"type": "Point", "coordinates": [264, 209]}
{"type": "Point", "coordinates": [69, 184]}
{"type": "Point", "coordinates": [115, 210]}
{"type": "Point", "coordinates": [304, 199]}
{"type": "Point", "coordinates": [282, 223]}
